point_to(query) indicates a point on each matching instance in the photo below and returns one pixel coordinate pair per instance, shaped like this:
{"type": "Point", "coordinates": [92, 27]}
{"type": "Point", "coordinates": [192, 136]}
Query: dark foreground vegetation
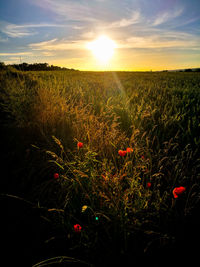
{"type": "Point", "coordinates": [99, 169]}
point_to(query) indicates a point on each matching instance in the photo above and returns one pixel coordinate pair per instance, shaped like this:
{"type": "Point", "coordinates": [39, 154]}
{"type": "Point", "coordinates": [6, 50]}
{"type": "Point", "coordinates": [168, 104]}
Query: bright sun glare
{"type": "Point", "coordinates": [102, 48]}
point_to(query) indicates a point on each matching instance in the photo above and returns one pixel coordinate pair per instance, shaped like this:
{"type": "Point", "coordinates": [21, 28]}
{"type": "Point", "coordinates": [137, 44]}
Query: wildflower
{"type": "Point", "coordinates": [129, 150]}
{"type": "Point", "coordinates": [77, 228]}
{"type": "Point", "coordinates": [142, 157]}
{"type": "Point", "coordinates": [178, 191]}
{"type": "Point", "coordinates": [84, 208]}
{"type": "Point", "coordinates": [122, 153]}
{"type": "Point", "coordinates": [79, 145]}
{"type": "Point", "coordinates": [149, 184]}
{"type": "Point", "coordinates": [56, 175]}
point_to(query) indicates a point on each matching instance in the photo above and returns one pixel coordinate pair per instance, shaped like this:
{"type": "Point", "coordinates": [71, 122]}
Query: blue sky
{"type": "Point", "coordinates": [156, 34]}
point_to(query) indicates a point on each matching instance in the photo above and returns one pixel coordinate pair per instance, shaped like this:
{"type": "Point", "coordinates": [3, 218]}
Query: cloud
{"type": "Point", "coordinates": [3, 40]}
{"type": "Point", "coordinates": [69, 10]}
{"type": "Point", "coordinates": [58, 45]}
{"type": "Point", "coordinates": [124, 22]}
{"type": "Point", "coordinates": [18, 31]}
{"type": "Point", "coordinates": [162, 40]}
{"type": "Point", "coordinates": [76, 27]}
{"type": "Point", "coordinates": [16, 54]}
{"type": "Point", "coordinates": [96, 12]}
{"type": "Point", "coordinates": [48, 53]}
{"type": "Point", "coordinates": [185, 22]}
{"type": "Point", "coordinates": [88, 35]}
{"type": "Point", "coordinates": [167, 16]}
{"type": "Point", "coordinates": [39, 45]}
{"type": "Point", "coordinates": [149, 38]}
{"type": "Point", "coordinates": [14, 31]}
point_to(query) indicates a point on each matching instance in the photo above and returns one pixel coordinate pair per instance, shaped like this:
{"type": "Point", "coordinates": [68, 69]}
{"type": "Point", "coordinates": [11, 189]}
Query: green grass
{"type": "Point", "coordinates": [156, 114]}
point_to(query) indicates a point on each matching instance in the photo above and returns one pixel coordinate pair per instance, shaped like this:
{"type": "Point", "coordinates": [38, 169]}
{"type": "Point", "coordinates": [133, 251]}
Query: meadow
{"type": "Point", "coordinates": [100, 168]}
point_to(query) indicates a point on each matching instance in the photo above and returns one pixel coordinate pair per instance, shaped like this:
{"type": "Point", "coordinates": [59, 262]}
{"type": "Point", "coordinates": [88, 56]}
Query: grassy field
{"type": "Point", "coordinates": [67, 190]}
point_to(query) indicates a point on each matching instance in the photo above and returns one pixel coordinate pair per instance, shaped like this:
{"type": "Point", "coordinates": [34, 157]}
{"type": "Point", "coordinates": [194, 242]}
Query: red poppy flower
{"type": "Point", "coordinates": [56, 175]}
{"type": "Point", "coordinates": [142, 157]}
{"type": "Point", "coordinates": [80, 145]}
{"type": "Point", "coordinates": [122, 153]}
{"type": "Point", "coordinates": [148, 184]}
{"type": "Point", "coordinates": [129, 150]}
{"type": "Point", "coordinates": [178, 191]}
{"type": "Point", "coordinates": [77, 228]}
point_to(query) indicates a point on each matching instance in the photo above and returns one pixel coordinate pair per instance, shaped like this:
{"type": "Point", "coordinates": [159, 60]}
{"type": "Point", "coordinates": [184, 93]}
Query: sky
{"type": "Point", "coordinates": [149, 35]}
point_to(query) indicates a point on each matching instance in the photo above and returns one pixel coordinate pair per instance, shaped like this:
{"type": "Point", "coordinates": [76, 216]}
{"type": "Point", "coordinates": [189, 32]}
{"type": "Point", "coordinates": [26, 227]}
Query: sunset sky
{"type": "Point", "coordinates": [149, 35]}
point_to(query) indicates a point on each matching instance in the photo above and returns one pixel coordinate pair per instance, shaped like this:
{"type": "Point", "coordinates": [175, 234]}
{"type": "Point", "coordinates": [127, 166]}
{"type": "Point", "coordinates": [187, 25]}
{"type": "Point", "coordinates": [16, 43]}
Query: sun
{"type": "Point", "coordinates": [102, 48]}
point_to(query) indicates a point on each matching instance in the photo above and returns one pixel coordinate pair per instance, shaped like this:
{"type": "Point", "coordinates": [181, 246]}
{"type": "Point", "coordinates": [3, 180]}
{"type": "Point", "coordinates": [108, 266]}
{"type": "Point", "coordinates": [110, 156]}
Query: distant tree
{"type": "Point", "coordinates": [188, 70]}
{"type": "Point", "coordinates": [23, 66]}
{"type": "Point", "coordinates": [2, 66]}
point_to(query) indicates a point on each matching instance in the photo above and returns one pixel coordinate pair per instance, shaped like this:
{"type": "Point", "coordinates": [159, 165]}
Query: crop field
{"type": "Point", "coordinates": [99, 168]}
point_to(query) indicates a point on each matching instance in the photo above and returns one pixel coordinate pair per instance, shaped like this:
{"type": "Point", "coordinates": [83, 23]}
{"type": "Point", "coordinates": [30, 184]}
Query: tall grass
{"type": "Point", "coordinates": [155, 114]}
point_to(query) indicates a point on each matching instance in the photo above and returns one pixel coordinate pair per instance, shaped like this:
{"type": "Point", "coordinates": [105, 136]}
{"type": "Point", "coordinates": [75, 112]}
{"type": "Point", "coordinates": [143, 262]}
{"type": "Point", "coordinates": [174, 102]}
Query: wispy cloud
{"type": "Point", "coordinates": [162, 40]}
{"type": "Point", "coordinates": [125, 22]}
{"type": "Point", "coordinates": [185, 22]}
{"type": "Point", "coordinates": [167, 16]}
{"type": "Point", "coordinates": [96, 12]}
{"type": "Point", "coordinates": [48, 53]}
{"type": "Point", "coordinates": [18, 31]}
{"type": "Point", "coordinates": [16, 54]}
{"type": "Point", "coordinates": [88, 35]}
{"type": "Point", "coordinates": [14, 31]}
{"type": "Point", "coordinates": [3, 40]}
{"type": "Point", "coordinates": [69, 10]}
{"type": "Point", "coordinates": [43, 45]}
{"type": "Point", "coordinates": [58, 45]}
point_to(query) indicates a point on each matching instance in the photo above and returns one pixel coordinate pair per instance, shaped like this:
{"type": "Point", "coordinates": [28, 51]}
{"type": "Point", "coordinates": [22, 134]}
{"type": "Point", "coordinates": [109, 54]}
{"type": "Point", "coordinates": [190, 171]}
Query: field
{"type": "Point", "coordinates": [99, 167]}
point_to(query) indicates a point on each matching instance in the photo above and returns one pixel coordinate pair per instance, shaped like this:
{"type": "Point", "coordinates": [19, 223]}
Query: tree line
{"type": "Point", "coordinates": [32, 67]}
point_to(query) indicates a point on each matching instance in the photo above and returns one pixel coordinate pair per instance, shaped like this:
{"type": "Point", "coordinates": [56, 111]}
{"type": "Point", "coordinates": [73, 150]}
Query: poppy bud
{"type": "Point", "coordinates": [178, 191]}
{"type": "Point", "coordinates": [80, 145]}
{"type": "Point", "coordinates": [56, 175]}
{"type": "Point", "coordinates": [148, 184]}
